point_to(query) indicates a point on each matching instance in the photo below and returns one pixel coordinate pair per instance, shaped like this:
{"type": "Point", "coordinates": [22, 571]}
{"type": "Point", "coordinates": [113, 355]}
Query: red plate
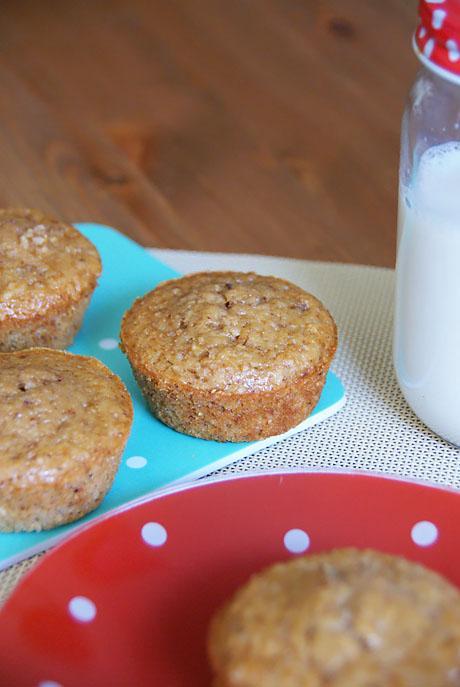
{"type": "Point", "coordinates": [127, 600]}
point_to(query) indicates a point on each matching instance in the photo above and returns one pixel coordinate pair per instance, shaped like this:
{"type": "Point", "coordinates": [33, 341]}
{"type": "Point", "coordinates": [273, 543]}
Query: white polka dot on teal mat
{"type": "Point", "coordinates": [154, 534]}
{"type": "Point", "coordinates": [136, 462]}
{"type": "Point", "coordinates": [424, 533]}
{"type": "Point", "coordinates": [296, 541]}
{"type": "Point", "coordinates": [108, 344]}
{"type": "Point", "coordinates": [83, 609]}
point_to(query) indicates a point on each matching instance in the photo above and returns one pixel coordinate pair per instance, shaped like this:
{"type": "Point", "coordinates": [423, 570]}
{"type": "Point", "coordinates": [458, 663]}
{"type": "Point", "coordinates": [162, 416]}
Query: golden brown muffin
{"type": "Point", "coordinates": [346, 618]}
{"type": "Point", "coordinates": [64, 422]}
{"type": "Point", "coordinates": [48, 274]}
{"type": "Point", "coordinates": [229, 356]}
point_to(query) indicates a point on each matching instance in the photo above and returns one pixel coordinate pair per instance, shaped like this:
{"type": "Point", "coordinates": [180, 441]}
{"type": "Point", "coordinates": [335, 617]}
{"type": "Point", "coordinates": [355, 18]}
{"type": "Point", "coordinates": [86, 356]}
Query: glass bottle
{"type": "Point", "coordinates": [427, 308]}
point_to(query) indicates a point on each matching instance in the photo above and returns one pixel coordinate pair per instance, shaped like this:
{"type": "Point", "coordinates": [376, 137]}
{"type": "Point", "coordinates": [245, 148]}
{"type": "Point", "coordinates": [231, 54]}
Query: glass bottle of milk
{"type": "Point", "coordinates": [427, 309]}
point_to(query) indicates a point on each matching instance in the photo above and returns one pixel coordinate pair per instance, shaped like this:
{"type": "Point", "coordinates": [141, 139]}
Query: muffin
{"type": "Point", "coordinates": [64, 423]}
{"type": "Point", "coordinates": [346, 618]}
{"type": "Point", "coordinates": [48, 273]}
{"type": "Point", "coordinates": [229, 356]}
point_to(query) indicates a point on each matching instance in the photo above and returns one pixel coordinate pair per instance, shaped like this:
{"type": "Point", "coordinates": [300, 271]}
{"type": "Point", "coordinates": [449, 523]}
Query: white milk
{"type": "Point", "coordinates": [427, 326]}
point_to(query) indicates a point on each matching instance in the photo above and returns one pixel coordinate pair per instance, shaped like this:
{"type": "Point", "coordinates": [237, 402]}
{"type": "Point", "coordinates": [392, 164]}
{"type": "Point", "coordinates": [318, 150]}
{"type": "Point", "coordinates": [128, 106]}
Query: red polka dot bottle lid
{"type": "Point", "coordinates": [437, 37]}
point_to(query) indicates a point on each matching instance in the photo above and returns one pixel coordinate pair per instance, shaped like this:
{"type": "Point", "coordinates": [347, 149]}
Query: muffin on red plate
{"type": "Point", "coordinates": [346, 618]}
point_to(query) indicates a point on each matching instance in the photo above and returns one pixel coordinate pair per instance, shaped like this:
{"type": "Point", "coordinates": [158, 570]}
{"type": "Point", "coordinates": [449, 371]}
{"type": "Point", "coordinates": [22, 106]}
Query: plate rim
{"type": "Point", "coordinates": [170, 490]}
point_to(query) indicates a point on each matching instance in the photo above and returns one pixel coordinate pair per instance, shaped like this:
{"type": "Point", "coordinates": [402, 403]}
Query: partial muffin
{"type": "Point", "coordinates": [346, 618]}
{"type": "Point", "coordinates": [49, 271]}
{"type": "Point", "coordinates": [64, 422]}
{"type": "Point", "coordinates": [229, 356]}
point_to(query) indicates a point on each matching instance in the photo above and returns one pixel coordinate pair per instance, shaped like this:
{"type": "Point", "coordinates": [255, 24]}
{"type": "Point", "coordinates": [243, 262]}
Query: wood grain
{"type": "Point", "coordinates": [266, 126]}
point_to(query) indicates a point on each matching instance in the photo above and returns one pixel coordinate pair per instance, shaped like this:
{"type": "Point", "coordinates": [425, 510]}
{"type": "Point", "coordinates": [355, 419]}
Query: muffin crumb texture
{"type": "Point", "coordinates": [229, 356]}
{"type": "Point", "coordinates": [346, 618]}
{"type": "Point", "coordinates": [48, 273]}
{"type": "Point", "coordinates": [64, 422]}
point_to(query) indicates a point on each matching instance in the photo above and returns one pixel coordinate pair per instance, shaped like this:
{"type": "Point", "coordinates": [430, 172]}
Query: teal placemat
{"type": "Point", "coordinates": [155, 455]}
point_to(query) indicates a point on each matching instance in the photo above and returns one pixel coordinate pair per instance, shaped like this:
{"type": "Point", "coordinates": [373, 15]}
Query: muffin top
{"type": "Point", "coordinates": [57, 409]}
{"type": "Point", "coordinates": [346, 618]}
{"type": "Point", "coordinates": [44, 262]}
{"type": "Point", "coordinates": [228, 331]}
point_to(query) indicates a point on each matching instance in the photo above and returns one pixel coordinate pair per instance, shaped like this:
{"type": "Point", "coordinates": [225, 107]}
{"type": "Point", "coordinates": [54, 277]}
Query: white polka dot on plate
{"type": "Point", "coordinates": [49, 683]}
{"type": "Point", "coordinates": [136, 462]}
{"type": "Point", "coordinates": [424, 533]}
{"type": "Point", "coordinates": [83, 609]}
{"type": "Point", "coordinates": [296, 541]}
{"type": "Point", "coordinates": [154, 534]}
{"type": "Point", "coordinates": [108, 344]}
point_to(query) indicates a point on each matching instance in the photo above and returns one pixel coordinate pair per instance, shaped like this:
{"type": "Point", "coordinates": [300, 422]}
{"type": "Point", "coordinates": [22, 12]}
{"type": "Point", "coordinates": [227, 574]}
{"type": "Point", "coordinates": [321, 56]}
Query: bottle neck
{"type": "Point", "coordinates": [438, 96]}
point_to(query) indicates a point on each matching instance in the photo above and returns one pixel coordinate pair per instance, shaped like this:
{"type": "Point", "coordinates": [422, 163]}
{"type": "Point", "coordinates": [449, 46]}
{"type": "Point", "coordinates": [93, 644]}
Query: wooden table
{"type": "Point", "coordinates": [266, 126]}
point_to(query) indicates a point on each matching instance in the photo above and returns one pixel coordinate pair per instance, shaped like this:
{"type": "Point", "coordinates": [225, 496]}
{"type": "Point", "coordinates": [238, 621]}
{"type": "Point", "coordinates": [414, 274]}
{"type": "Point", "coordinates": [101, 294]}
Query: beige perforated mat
{"type": "Point", "coordinates": [376, 430]}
